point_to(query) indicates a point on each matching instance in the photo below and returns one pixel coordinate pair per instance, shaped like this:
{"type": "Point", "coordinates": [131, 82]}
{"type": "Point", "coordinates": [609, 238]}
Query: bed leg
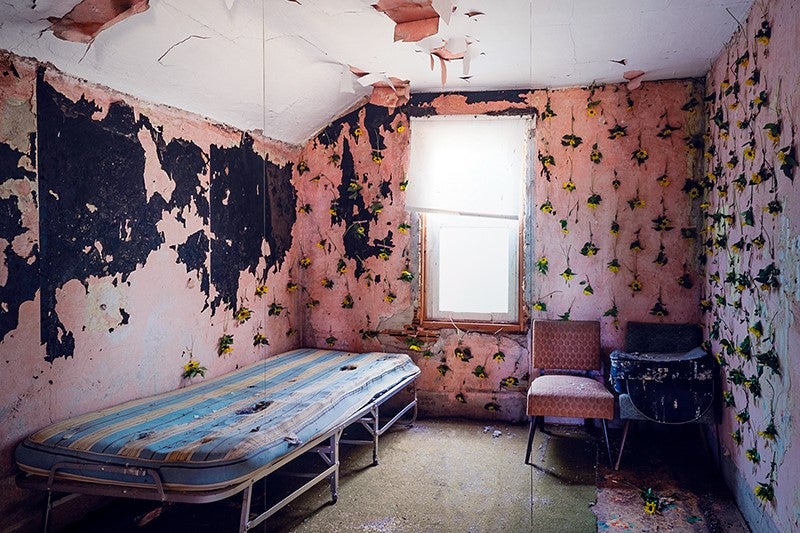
{"type": "Point", "coordinates": [375, 432]}
{"type": "Point", "coordinates": [335, 461]}
{"type": "Point", "coordinates": [247, 496]}
{"type": "Point", "coordinates": [48, 506]}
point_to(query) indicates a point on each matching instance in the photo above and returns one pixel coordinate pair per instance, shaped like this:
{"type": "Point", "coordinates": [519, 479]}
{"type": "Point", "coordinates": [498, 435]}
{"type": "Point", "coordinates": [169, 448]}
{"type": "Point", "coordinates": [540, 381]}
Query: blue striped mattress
{"type": "Point", "coordinates": [221, 431]}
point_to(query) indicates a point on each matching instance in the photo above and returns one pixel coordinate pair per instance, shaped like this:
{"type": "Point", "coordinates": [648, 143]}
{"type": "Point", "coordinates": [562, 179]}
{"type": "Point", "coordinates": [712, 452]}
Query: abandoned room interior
{"type": "Point", "coordinates": [399, 265]}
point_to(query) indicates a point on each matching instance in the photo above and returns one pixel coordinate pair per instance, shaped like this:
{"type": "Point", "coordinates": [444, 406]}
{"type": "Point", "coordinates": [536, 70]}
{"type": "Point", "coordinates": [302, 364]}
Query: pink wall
{"type": "Point", "coordinates": [338, 157]}
{"type": "Point", "coordinates": [132, 330]}
{"type": "Point", "coordinates": [751, 87]}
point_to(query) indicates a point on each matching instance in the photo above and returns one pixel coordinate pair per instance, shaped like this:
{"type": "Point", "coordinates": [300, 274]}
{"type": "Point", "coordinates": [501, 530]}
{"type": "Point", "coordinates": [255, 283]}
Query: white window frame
{"type": "Point", "coordinates": [431, 223]}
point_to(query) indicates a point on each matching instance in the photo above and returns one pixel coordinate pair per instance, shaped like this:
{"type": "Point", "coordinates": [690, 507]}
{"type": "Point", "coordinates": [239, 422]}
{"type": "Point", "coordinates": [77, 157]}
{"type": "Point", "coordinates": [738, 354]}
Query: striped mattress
{"type": "Point", "coordinates": [221, 431]}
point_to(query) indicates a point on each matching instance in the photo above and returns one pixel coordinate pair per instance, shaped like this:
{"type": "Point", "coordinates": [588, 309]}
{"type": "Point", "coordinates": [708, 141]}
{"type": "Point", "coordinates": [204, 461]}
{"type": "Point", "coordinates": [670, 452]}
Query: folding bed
{"type": "Point", "coordinates": [216, 438]}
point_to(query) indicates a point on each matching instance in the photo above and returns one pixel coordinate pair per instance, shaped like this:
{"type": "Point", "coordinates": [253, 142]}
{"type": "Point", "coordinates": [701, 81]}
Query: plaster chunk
{"type": "Point", "coordinates": [89, 17]}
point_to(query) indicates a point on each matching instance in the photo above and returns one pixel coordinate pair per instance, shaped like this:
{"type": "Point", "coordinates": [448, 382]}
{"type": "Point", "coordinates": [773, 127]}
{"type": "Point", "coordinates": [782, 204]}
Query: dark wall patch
{"type": "Point", "coordinates": [244, 211]}
{"type": "Point", "coordinates": [184, 162]}
{"type": "Point", "coordinates": [353, 214]}
{"type": "Point", "coordinates": [421, 104]}
{"type": "Point", "coordinates": [23, 276]}
{"type": "Point", "coordinates": [193, 254]}
{"type": "Point", "coordinates": [91, 178]}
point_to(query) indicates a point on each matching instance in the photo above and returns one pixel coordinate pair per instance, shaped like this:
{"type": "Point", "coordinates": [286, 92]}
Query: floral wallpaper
{"type": "Point", "coordinates": [750, 240]}
{"type": "Point", "coordinates": [614, 235]}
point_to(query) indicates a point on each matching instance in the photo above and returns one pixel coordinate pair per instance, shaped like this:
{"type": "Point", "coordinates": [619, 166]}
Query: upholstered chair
{"type": "Point", "coordinates": [564, 352]}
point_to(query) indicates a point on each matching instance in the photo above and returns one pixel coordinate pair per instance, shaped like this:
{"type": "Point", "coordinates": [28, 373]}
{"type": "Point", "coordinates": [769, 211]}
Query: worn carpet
{"type": "Point", "coordinates": [672, 463]}
{"type": "Point", "coordinates": [437, 476]}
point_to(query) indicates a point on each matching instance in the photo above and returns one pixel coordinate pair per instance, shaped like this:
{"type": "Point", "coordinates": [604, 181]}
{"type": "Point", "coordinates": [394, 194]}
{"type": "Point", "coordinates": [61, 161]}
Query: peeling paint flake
{"type": "Point", "coordinates": [414, 19]}
{"type": "Point", "coordinates": [89, 17]}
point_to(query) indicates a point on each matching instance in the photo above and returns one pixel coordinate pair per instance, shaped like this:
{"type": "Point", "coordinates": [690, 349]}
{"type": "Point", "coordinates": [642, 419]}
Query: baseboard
{"type": "Point", "coordinates": [511, 405]}
{"type": "Point", "coordinates": [751, 507]}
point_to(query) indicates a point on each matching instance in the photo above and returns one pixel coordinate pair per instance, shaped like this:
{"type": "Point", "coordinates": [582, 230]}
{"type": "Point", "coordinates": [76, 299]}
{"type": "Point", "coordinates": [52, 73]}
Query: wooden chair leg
{"type": "Point", "coordinates": [622, 444]}
{"type": "Point", "coordinates": [531, 431]}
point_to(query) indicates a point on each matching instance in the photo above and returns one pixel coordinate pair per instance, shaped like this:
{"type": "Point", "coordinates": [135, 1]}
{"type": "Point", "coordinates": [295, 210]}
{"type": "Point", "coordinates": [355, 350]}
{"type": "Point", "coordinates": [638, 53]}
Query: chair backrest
{"type": "Point", "coordinates": [648, 337]}
{"type": "Point", "coordinates": [566, 344]}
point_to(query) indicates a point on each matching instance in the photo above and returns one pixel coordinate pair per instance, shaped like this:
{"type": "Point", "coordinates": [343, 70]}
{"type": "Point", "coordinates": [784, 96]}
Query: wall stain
{"type": "Point", "coordinates": [193, 254]}
{"type": "Point", "coordinates": [108, 175]}
{"type": "Point", "coordinates": [245, 211]}
{"type": "Point", "coordinates": [23, 277]}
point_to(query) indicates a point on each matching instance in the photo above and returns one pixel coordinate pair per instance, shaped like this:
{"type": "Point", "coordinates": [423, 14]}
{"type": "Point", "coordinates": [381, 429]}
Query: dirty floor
{"type": "Point", "coordinates": [682, 476]}
{"type": "Point", "coordinates": [467, 476]}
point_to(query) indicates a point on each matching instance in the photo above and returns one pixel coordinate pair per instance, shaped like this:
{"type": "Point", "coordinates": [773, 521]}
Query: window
{"type": "Point", "coordinates": [466, 179]}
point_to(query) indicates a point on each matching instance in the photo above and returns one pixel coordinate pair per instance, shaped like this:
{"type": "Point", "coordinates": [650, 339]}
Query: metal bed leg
{"type": "Point", "coordinates": [244, 518]}
{"type": "Point", "coordinates": [531, 431]}
{"type": "Point", "coordinates": [608, 446]}
{"type": "Point", "coordinates": [47, 508]}
{"type": "Point", "coordinates": [622, 444]}
{"type": "Point", "coordinates": [375, 432]}
{"type": "Point", "coordinates": [335, 461]}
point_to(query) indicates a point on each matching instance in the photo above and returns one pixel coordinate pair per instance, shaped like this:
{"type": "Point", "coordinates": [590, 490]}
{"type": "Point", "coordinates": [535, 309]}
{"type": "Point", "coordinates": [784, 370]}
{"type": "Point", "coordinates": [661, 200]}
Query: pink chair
{"type": "Point", "coordinates": [570, 348]}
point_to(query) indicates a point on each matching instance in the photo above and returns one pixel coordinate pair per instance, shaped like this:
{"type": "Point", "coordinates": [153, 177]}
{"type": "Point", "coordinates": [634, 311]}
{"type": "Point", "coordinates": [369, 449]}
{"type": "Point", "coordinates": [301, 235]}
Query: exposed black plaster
{"type": "Point", "coordinates": [23, 272]}
{"type": "Point", "coordinates": [421, 104]}
{"type": "Point", "coordinates": [85, 162]}
{"type": "Point", "coordinates": [184, 162]}
{"type": "Point", "coordinates": [352, 213]}
{"type": "Point", "coordinates": [245, 211]}
{"type": "Point", "coordinates": [193, 254]}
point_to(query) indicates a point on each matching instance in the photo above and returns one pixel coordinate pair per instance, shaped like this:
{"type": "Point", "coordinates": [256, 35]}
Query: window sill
{"type": "Point", "coordinates": [482, 327]}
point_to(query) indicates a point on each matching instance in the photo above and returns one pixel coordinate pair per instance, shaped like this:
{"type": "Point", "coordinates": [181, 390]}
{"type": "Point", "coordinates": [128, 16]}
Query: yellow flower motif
{"type": "Point", "coordinates": [242, 315]}
{"type": "Point", "coordinates": [377, 158]}
{"type": "Point", "coordinates": [358, 132]}
{"type": "Point", "coordinates": [568, 274]}
{"type": "Point", "coordinates": [192, 369]}
{"type": "Point", "coordinates": [389, 298]}
{"type": "Point", "coordinates": [663, 180]}
{"type": "Point", "coordinates": [569, 186]}
{"type": "Point", "coordinates": [749, 153]}
{"type": "Point", "coordinates": [635, 285]}
{"type": "Point", "coordinates": [261, 290]}
{"type": "Point", "coordinates": [403, 227]}
{"type": "Point", "coordinates": [401, 128]}
{"type": "Point", "coordinates": [305, 262]}
{"type": "Point", "coordinates": [538, 306]}
{"type": "Point", "coordinates": [650, 507]}
{"type": "Point", "coordinates": [733, 106]}
{"type": "Point", "coordinates": [383, 255]}
{"type": "Point", "coordinates": [591, 111]}
{"type": "Point", "coordinates": [403, 185]}
{"type": "Point", "coordinates": [292, 286]}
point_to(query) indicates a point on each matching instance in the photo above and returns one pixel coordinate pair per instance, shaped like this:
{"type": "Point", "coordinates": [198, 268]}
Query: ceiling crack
{"type": "Point", "coordinates": [180, 43]}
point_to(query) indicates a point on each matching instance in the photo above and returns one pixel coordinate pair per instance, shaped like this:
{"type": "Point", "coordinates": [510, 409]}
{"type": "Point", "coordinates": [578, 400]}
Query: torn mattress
{"type": "Point", "coordinates": [221, 431]}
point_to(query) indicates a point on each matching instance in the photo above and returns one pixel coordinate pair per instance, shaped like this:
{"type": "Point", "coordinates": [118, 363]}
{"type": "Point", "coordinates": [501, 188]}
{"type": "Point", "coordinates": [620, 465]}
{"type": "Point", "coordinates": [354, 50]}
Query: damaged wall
{"type": "Point", "coordinates": [134, 237]}
{"type": "Point", "coordinates": [752, 241]}
{"type": "Point", "coordinates": [614, 232]}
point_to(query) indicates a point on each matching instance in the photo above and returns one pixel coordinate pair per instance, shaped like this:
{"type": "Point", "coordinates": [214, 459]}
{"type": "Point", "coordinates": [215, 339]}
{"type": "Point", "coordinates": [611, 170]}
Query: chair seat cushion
{"type": "Point", "coordinates": [569, 397]}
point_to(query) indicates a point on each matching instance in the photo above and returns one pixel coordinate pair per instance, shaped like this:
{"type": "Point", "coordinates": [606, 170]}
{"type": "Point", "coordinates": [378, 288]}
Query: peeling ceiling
{"type": "Point", "coordinates": [322, 57]}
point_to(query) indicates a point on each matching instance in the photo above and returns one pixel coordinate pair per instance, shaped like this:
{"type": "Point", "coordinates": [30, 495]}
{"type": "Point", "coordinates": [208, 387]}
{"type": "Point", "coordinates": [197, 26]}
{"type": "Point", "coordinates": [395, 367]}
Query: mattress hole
{"type": "Point", "coordinates": [348, 367]}
{"type": "Point", "coordinates": [256, 407]}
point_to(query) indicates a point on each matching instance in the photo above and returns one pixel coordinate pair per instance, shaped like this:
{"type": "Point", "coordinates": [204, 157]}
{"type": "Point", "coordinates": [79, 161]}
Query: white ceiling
{"type": "Point", "coordinates": [307, 46]}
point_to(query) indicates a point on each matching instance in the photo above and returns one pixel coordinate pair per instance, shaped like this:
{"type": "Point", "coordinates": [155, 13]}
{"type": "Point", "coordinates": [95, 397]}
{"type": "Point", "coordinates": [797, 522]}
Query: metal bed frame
{"type": "Point", "coordinates": [326, 445]}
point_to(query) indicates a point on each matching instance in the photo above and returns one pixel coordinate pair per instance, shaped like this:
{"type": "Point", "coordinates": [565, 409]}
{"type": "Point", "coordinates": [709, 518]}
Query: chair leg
{"type": "Point", "coordinates": [608, 446]}
{"type": "Point", "coordinates": [622, 444]}
{"type": "Point", "coordinates": [531, 431]}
